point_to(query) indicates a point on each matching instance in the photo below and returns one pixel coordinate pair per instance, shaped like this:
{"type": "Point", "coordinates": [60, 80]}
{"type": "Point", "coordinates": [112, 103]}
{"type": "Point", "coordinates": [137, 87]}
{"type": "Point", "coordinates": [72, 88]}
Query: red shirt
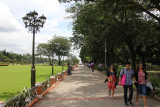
{"type": "Point", "coordinates": [141, 78]}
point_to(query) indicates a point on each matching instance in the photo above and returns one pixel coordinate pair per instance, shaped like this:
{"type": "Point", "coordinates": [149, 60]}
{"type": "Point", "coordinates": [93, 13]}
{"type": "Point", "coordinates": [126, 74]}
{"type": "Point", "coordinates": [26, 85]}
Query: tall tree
{"type": "Point", "coordinates": [60, 46]}
{"type": "Point", "coordinates": [118, 23]}
{"type": "Point", "coordinates": [45, 50]}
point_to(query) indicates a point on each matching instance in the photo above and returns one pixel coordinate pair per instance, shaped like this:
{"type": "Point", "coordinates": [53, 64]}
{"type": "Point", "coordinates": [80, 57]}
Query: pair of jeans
{"type": "Point", "coordinates": [141, 89]}
{"type": "Point", "coordinates": [92, 69]}
{"type": "Point", "coordinates": [126, 91]}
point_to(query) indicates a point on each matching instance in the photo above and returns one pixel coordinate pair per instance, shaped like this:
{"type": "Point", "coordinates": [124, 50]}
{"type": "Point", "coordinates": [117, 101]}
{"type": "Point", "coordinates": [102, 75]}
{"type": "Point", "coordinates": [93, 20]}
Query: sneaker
{"type": "Point", "coordinates": [126, 104]}
{"type": "Point", "coordinates": [131, 103]}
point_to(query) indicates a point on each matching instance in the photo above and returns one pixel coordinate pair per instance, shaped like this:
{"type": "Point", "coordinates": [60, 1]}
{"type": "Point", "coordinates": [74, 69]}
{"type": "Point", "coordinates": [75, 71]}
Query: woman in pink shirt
{"type": "Point", "coordinates": [140, 78]}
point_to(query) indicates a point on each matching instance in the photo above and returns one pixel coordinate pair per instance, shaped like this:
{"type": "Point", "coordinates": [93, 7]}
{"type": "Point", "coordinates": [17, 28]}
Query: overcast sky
{"type": "Point", "coordinates": [13, 34]}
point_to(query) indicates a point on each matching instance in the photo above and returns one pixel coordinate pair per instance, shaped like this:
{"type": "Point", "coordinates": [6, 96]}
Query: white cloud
{"type": "Point", "coordinates": [52, 23]}
{"type": "Point", "coordinates": [17, 42]}
{"type": "Point", "coordinates": [49, 8]}
{"type": "Point", "coordinates": [15, 38]}
{"type": "Point", "coordinates": [7, 21]}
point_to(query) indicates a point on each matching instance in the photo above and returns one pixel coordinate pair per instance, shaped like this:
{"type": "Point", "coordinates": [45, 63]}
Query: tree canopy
{"type": "Point", "coordinates": [57, 46]}
{"type": "Point", "coordinates": [130, 29]}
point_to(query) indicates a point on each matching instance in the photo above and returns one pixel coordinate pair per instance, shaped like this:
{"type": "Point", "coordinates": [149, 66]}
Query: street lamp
{"type": "Point", "coordinates": [33, 23]}
{"type": "Point", "coordinates": [63, 63]}
{"type": "Point", "coordinates": [52, 64]}
{"type": "Point", "coordinates": [63, 58]}
{"type": "Point", "coordinates": [53, 57]}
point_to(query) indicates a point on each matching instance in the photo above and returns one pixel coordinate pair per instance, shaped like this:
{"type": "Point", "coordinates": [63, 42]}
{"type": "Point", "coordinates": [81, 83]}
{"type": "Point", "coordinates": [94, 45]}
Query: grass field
{"type": "Point", "coordinates": [14, 78]}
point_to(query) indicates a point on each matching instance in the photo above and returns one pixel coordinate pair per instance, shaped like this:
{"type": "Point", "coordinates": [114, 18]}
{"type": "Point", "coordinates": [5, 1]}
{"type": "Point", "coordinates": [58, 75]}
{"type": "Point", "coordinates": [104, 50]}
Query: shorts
{"type": "Point", "coordinates": [141, 89]}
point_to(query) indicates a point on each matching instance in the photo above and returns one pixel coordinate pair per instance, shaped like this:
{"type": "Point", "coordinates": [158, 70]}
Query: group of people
{"type": "Point", "coordinates": [140, 78]}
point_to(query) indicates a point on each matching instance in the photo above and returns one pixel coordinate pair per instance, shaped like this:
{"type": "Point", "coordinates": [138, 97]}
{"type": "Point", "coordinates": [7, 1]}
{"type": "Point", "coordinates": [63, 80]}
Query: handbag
{"type": "Point", "coordinates": [123, 79]}
{"type": "Point", "coordinates": [149, 85]}
{"type": "Point", "coordinates": [105, 80]}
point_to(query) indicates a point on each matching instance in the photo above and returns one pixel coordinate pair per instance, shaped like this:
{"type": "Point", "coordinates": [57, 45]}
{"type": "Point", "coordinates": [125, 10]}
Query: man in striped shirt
{"type": "Point", "coordinates": [128, 83]}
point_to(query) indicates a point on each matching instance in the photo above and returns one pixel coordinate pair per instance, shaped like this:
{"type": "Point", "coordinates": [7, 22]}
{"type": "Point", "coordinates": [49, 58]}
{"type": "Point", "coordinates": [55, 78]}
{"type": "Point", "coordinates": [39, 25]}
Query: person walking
{"type": "Point", "coordinates": [140, 78]}
{"type": "Point", "coordinates": [128, 83]}
{"type": "Point", "coordinates": [111, 76]}
{"type": "Point", "coordinates": [92, 66]}
{"type": "Point", "coordinates": [89, 65]}
{"type": "Point", "coordinates": [69, 69]}
{"type": "Point", "coordinates": [100, 67]}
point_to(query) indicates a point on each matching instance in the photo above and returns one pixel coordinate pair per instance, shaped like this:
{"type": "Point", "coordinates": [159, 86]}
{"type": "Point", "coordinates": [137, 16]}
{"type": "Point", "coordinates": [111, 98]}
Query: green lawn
{"type": "Point", "coordinates": [14, 78]}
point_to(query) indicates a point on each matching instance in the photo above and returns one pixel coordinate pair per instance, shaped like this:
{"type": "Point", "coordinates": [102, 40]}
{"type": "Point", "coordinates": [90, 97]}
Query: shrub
{"type": "Point", "coordinates": [116, 66]}
{"type": "Point", "coordinates": [158, 93]}
{"type": "Point", "coordinates": [97, 67]}
{"type": "Point", "coordinates": [155, 81]}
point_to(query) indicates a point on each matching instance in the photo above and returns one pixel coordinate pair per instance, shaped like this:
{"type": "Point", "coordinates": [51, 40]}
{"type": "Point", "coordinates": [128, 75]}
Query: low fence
{"type": "Point", "coordinates": [31, 95]}
{"type": "Point", "coordinates": [25, 97]}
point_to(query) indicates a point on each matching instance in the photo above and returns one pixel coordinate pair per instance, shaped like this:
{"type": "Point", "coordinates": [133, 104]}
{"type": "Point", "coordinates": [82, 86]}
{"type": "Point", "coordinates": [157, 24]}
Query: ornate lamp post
{"type": "Point", "coordinates": [33, 23]}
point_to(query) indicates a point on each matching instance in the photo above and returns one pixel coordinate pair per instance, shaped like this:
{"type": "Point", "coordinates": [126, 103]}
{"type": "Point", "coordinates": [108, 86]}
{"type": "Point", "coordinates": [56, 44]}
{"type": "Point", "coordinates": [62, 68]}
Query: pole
{"type": "Point", "coordinates": [74, 61]}
{"type": "Point", "coordinates": [105, 51]}
{"type": "Point", "coordinates": [63, 64]}
{"type": "Point", "coordinates": [30, 23]}
{"type": "Point", "coordinates": [52, 66]}
{"type": "Point", "coordinates": [33, 71]}
{"type": "Point", "coordinates": [68, 58]}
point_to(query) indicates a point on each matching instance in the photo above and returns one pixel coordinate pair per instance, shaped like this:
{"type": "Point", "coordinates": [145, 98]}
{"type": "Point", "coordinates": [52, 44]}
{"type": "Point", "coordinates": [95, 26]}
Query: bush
{"type": "Point", "coordinates": [155, 81]}
{"type": "Point", "coordinates": [116, 66]}
{"type": "Point", "coordinates": [158, 93]}
{"type": "Point", "coordinates": [105, 68]}
{"type": "Point", "coordinates": [97, 67]}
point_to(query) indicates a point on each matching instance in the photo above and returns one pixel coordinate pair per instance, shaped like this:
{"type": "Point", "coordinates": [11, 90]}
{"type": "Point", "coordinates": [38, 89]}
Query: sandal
{"type": "Point", "coordinates": [137, 103]}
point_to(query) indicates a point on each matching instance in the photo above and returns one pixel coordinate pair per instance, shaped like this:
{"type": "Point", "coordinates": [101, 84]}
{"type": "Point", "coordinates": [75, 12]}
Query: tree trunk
{"type": "Point", "coordinates": [59, 59]}
{"type": "Point", "coordinates": [49, 60]}
{"type": "Point", "coordinates": [40, 59]}
{"type": "Point", "coordinates": [133, 54]}
{"type": "Point", "coordinates": [133, 60]}
{"type": "Point", "coordinates": [144, 62]}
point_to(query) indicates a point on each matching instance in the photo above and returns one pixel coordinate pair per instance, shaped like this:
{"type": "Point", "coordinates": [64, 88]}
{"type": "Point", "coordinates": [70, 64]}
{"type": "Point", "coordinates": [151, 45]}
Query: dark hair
{"type": "Point", "coordinates": [128, 63]}
{"type": "Point", "coordinates": [114, 69]}
{"type": "Point", "coordinates": [142, 68]}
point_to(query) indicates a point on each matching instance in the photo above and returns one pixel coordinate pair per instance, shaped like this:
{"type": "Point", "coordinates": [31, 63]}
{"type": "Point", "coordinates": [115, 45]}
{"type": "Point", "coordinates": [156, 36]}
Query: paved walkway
{"type": "Point", "coordinates": [85, 89]}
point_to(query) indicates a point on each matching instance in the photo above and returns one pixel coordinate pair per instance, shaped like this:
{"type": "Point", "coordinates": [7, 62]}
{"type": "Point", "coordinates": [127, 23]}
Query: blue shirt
{"type": "Point", "coordinates": [129, 75]}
